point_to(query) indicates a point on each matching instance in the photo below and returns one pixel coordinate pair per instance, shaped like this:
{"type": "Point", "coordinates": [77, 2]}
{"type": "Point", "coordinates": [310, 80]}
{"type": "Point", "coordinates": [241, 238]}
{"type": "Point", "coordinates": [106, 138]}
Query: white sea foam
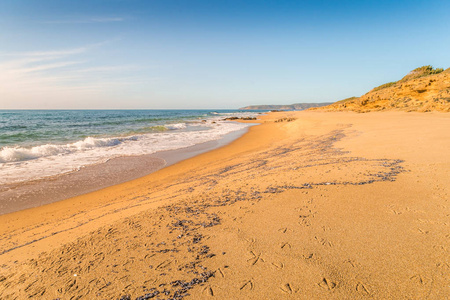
{"type": "Point", "coordinates": [176, 126]}
{"type": "Point", "coordinates": [16, 154]}
{"type": "Point", "coordinates": [22, 164]}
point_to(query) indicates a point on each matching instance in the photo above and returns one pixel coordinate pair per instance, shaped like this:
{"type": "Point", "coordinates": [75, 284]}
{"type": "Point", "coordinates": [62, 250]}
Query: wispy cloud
{"type": "Point", "coordinates": [46, 67]}
{"type": "Point", "coordinates": [57, 53]}
{"type": "Point", "coordinates": [86, 20]}
{"type": "Point", "coordinates": [30, 77]}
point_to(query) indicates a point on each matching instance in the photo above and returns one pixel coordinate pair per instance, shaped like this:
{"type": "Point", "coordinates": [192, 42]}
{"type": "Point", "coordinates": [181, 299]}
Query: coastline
{"type": "Point", "coordinates": [91, 178]}
{"type": "Point", "coordinates": [305, 205]}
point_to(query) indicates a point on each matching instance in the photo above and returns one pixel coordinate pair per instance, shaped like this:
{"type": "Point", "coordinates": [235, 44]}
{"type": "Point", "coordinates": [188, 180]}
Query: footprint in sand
{"type": "Point", "coordinates": [256, 258]}
{"type": "Point", "coordinates": [352, 263]}
{"type": "Point", "coordinates": [323, 242]}
{"type": "Point", "coordinates": [247, 285]}
{"type": "Point", "coordinates": [422, 231]}
{"type": "Point", "coordinates": [288, 289]}
{"type": "Point", "coordinates": [286, 246]}
{"type": "Point", "coordinates": [221, 272]}
{"type": "Point", "coordinates": [208, 290]}
{"type": "Point", "coordinates": [278, 265]}
{"type": "Point", "coordinates": [327, 284]}
{"type": "Point", "coordinates": [362, 288]}
{"type": "Point", "coordinates": [283, 230]}
{"type": "Point", "coordinates": [304, 222]}
{"type": "Point", "coordinates": [418, 279]}
{"type": "Point", "coordinates": [250, 240]}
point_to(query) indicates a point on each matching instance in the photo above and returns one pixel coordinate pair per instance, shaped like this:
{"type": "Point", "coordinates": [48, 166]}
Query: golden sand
{"type": "Point", "coordinates": [420, 90]}
{"type": "Point", "coordinates": [307, 205]}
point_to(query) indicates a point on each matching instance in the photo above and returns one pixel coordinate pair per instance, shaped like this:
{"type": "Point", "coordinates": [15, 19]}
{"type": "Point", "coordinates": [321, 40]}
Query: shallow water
{"type": "Point", "coordinates": [38, 143]}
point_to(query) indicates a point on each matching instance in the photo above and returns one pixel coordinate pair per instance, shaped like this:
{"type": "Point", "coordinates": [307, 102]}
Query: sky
{"type": "Point", "coordinates": [166, 54]}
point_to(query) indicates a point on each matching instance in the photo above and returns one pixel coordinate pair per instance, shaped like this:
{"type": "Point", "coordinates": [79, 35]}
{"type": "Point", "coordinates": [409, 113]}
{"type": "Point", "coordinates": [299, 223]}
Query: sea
{"type": "Point", "coordinates": [35, 144]}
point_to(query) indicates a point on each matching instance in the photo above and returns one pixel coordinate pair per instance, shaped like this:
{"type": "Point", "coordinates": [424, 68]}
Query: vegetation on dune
{"type": "Point", "coordinates": [428, 70]}
{"type": "Point", "coordinates": [416, 73]}
{"type": "Point", "coordinates": [421, 72]}
{"type": "Point", "coordinates": [346, 100]}
{"type": "Point", "coordinates": [386, 85]}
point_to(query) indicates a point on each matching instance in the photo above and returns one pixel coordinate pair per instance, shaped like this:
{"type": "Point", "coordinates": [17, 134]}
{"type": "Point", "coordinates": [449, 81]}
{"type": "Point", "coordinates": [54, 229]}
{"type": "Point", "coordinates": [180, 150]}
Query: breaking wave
{"type": "Point", "coordinates": [16, 154]}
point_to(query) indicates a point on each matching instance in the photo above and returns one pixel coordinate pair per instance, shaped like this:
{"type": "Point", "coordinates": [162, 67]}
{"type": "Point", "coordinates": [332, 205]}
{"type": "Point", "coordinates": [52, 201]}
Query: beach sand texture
{"type": "Point", "coordinates": [307, 205]}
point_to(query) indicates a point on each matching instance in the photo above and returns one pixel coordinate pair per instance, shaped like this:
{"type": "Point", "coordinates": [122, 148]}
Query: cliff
{"type": "Point", "coordinates": [423, 89]}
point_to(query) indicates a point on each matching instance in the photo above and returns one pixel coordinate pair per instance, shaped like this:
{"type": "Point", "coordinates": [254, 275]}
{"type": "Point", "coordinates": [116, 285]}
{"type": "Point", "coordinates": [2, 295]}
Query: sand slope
{"type": "Point", "coordinates": [420, 90]}
{"type": "Point", "coordinates": [306, 205]}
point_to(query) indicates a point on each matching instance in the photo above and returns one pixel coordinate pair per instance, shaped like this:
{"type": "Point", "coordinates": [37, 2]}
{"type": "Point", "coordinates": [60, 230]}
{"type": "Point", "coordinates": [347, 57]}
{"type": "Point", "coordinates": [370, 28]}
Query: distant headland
{"type": "Point", "coordinates": [423, 89]}
{"type": "Point", "coordinates": [295, 106]}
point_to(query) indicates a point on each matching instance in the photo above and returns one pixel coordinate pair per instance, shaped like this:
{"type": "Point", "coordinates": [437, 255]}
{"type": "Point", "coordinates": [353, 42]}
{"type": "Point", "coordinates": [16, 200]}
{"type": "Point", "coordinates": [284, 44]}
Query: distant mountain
{"type": "Point", "coordinates": [423, 89]}
{"type": "Point", "coordinates": [296, 106]}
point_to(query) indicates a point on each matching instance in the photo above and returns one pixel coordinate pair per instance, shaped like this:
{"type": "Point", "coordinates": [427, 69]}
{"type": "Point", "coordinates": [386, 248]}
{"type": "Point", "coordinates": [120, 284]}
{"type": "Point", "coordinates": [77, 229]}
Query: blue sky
{"type": "Point", "coordinates": [211, 54]}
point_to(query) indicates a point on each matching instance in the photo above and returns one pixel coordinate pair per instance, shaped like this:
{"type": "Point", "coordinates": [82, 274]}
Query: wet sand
{"type": "Point", "coordinates": [307, 205]}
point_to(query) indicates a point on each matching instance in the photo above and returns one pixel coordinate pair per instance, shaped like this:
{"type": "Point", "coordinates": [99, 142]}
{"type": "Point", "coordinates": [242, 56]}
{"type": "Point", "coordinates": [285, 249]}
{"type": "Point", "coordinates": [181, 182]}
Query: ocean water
{"type": "Point", "coordinates": [39, 143]}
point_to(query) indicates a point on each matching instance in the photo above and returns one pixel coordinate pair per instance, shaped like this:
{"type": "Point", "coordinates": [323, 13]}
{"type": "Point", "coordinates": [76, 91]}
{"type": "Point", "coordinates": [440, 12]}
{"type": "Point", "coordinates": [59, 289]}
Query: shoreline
{"type": "Point", "coordinates": [112, 134]}
{"type": "Point", "coordinates": [307, 205]}
{"type": "Point", "coordinates": [91, 178]}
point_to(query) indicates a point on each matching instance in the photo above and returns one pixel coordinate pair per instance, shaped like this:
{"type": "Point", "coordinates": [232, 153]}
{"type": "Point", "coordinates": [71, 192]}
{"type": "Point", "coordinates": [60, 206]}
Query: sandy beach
{"type": "Point", "coordinates": [306, 205]}
{"type": "Point", "coordinates": [34, 193]}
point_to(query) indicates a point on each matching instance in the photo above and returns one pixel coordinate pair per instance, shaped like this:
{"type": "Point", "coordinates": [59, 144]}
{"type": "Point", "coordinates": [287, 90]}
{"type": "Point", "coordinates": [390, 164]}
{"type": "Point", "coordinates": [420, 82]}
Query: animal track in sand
{"type": "Point", "coordinates": [247, 285]}
{"type": "Point", "coordinates": [323, 242]}
{"type": "Point", "coordinates": [286, 246]}
{"type": "Point", "coordinates": [327, 284]}
{"type": "Point", "coordinates": [278, 265]}
{"type": "Point", "coordinates": [208, 290]}
{"type": "Point", "coordinates": [222, 273]}
{"type": "Point", "coordinates": [250, 240]}
{"type": "Point", "coordinates": [304, 222]}
{"type": "Point", "coordinates": [255, 259]}
{"type": "Point", "coordinates": [362, 288]}
{"type": "Point", "coordinates": [305, 214]}
{"type": "Point", "coordinates": [418, 279]}
{"type": "Point", "coordinates": [352, 263]}
{"type": "Point", "coordinates": [283, 230]}
{"type": "Point", "coordinates": [326, 228]}
{"type": "Point", "coordinates": [422, 231]}
{"type": "Point", "coordinates": [288, 288]}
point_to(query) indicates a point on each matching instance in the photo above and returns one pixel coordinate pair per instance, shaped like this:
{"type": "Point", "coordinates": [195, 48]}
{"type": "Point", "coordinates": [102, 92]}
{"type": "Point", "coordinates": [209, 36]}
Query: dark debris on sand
{"type": "Point", "coordinates": [196, 214]}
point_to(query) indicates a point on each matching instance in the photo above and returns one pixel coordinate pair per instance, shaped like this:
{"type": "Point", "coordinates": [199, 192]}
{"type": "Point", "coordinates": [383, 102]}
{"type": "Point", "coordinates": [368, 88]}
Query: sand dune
{"type": "Point", "coordinates": [307, 205]}
{"type": "Point", "coordinates": [424, 89]}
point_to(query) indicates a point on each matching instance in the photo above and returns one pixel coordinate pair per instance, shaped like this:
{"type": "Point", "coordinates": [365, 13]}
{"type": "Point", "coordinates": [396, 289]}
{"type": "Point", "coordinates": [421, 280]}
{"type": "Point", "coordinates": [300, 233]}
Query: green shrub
{"type": "Point", "coordinates": [427, 70]}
